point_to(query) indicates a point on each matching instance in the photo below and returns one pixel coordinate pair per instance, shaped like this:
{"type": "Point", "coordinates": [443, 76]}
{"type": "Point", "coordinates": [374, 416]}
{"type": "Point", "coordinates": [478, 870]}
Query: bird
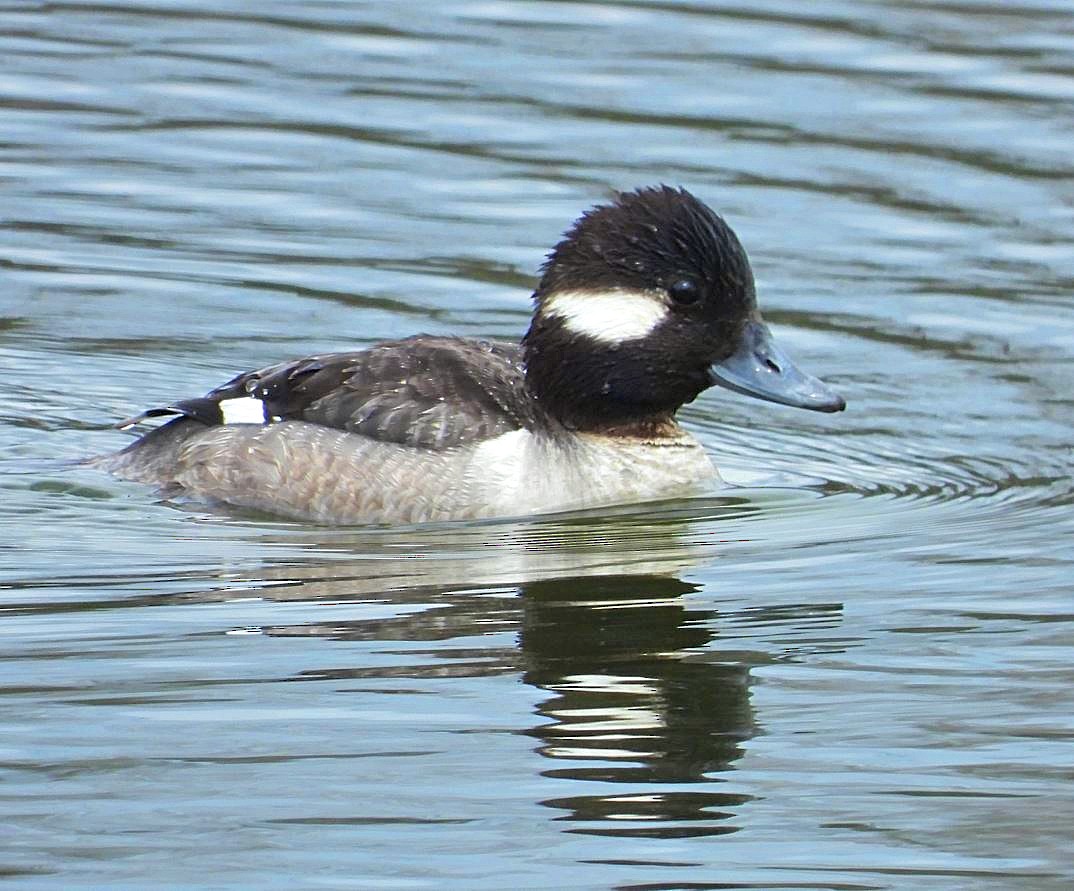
{"type": "Point", "coordinates": [647, 301]}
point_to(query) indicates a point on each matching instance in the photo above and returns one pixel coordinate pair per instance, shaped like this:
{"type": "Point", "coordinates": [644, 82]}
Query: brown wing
{"type": "Point", "coordinates": [432, 392]}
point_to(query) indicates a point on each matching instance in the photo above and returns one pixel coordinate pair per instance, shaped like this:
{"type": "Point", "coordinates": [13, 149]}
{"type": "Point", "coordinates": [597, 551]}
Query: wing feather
{"type": "Point", "coordinates": [430, 392]}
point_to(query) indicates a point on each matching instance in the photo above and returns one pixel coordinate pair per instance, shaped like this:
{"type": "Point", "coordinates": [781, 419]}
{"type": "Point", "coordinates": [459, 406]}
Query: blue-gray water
{"type": "Point", "coordinates": [860, 678]}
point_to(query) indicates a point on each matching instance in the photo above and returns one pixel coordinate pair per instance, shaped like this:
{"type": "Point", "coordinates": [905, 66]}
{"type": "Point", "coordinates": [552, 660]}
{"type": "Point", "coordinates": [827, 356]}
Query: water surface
{"type": "Point", "coordinates": [851, 671]}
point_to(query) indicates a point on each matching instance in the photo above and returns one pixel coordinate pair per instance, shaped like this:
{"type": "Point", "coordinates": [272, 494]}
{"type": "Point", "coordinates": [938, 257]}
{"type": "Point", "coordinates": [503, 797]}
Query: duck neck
{"type": "Point", "coordinates": [582, 384]}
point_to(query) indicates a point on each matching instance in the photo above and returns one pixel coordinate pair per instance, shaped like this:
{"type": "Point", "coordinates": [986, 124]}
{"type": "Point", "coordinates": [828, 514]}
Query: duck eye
{"type": "Point", "coordinates": [684, 292]}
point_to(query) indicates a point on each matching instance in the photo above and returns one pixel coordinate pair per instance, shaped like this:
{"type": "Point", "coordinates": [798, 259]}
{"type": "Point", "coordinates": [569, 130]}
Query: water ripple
{"type": "Point", "coordinates": [848, 670]}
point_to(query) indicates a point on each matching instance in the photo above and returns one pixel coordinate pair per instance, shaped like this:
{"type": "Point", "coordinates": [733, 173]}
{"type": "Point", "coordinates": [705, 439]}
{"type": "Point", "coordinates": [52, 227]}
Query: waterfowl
{"type": "Point", "coordinates": [646, 302]}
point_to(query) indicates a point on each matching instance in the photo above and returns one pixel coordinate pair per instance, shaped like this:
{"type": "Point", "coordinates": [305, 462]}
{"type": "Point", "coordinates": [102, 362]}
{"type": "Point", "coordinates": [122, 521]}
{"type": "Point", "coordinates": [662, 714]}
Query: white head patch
{"type": "Point", "coordinates": [607, 316]}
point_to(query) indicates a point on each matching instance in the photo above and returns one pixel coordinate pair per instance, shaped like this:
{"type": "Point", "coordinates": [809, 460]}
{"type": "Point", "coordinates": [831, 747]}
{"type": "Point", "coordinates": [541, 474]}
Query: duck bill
{"type": "Point", "coordinates": [760, 368]}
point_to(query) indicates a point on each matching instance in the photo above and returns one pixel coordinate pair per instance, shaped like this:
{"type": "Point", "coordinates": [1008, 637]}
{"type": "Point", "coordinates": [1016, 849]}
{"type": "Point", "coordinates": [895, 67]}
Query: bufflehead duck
{"type": "Point", "coordinates": [646, 302]}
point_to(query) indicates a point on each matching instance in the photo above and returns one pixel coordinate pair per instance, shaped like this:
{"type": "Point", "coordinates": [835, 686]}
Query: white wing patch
{"type": "Point", "coordinates": [607, 316]}
{"type": "Point", "coordinates": [243, 410]}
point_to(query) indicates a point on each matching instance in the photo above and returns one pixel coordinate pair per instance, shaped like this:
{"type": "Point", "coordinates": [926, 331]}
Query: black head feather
{"type": "Point", "coordinates": [653, 238]}
{"type": "Point", "coordinates": [663, 242]}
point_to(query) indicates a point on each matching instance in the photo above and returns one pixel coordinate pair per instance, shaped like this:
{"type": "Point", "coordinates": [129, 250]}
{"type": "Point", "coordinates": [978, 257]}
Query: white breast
{"type": "Point", "coordinates": [525, 473]}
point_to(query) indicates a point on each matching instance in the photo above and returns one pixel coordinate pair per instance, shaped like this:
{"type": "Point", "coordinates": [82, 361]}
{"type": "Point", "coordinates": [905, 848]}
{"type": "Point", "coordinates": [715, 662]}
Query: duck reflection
{"type": "Point", "coordinates": [641, 714]}
{"type": "Point", "coordinates": [634, 701]}
{"type": "Point", "coordinates": [637, 696]}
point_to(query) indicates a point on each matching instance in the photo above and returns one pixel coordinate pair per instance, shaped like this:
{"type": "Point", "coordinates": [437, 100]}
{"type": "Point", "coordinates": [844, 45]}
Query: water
{"type": "Point", "coordinates": [853, 672]}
